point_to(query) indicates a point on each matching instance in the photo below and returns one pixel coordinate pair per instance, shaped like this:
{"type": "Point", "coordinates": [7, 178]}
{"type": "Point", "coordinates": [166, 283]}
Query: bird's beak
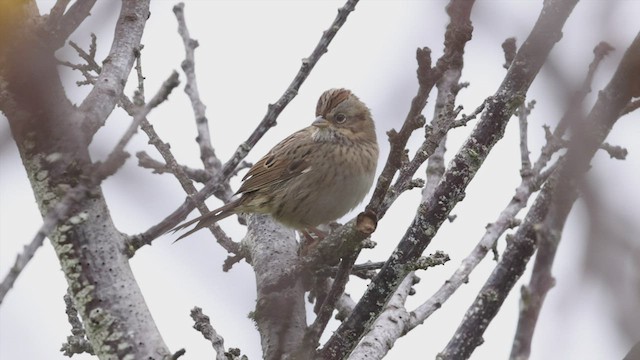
{"type": "Point", "coordinates": [321, 122]}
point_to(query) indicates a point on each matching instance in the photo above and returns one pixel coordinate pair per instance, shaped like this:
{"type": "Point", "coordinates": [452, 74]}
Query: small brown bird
{"type": "Point", "coordinates": [315, 175]}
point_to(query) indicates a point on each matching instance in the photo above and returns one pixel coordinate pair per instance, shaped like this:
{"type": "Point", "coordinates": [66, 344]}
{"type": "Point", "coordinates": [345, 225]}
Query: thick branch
{"type": "Point", "coordinates": [108, 89]}
{"type": "Point", "coordinates": [450, 190]}
{"type": "Point", "coordinates": [62, 26]}
{"type": "Point", "coordinates": [561, 189]}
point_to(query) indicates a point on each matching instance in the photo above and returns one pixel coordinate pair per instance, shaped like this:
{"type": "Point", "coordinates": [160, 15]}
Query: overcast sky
{"type": "Point", "coordinates": [249, 52]}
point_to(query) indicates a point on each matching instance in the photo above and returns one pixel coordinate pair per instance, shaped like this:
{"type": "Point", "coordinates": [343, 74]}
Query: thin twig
{"type": "Point", "coordinates": [532, 296]}
{"type": "Point", "coordinates": [62, 24]}
{"type": "Point", "coordinates": [315, 330]}
{"type": "Point", "coordinates": [101, 170]}
{"type": "Point", "coordinates": [105, 94]}
{"type": "Point", "coordinates": [614, 151]}
{"type": "Point", "coordinates": [267, 122]}
{"type": "Point", "coordinates": [464, 166]}
{"type": "Point", "coordinates": [203, 325]}
{"type": "Point", "coordinates": [77, 342]}
{"type": "Point", "coordinates": [133, 243]}
{"type": "Point", "coordinates": [523, 113]}
{"type": "Point", "coordinates": [21, 261]}
{"type": "Point", "coordinates": [558, 194]}
{"type": "Point", "coordinates": [505, 221]}
{"type": "Point", "coordinates": [207, 154]}
{"type": "Point", "coordinates": [632, 106]}
{"type": "Point", "coordinates": [146, 161]}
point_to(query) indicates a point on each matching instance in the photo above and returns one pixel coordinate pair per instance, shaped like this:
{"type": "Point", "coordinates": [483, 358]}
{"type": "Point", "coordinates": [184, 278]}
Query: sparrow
{"type": "Point", "coordinates": [314, 176]}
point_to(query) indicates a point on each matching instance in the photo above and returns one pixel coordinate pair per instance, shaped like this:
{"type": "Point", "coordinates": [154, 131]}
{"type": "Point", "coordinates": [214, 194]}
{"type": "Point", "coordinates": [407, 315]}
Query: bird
{"type": "Point", "coordinates": [315, 175]}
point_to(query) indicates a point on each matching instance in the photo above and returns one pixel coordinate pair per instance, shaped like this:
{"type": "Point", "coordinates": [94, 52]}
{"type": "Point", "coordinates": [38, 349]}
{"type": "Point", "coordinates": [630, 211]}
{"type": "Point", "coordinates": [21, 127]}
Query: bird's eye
{"type": "Point", "coordinates": [340, 118]}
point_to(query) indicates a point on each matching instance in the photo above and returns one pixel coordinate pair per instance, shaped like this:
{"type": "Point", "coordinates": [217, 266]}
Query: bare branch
{"type": "Point", "coordinates": [523, 113]}
{"type": "Point", "coordinates": [207, 154]}
{"type": "Point", "coordinates": [62, 26]}
{"type": "Point", "coordinates": [389, 327]}
{"type": "Point", "coordinates": [203, 325]}
{"type": "Point", "coordinates": [56, 12]}
{"type": "Point", "coordinates": [61, 210]}
{"type": "Point", "coordinates": [108, 89]}
{"type": "Point", "coordinates": [146, 161]}
{"type": "Point", "coordinates": [533, 295]}
{"type": "Point", "coordinates": [561, 190]}
{"type": "Point", "coordinates": [450, 190]}
{"type": "Point", "coordinates": [505, 221]}
{"type": "Point", "coordinates": [267, 122]}
{"type": "Point", "coordinates": [77, 342]}
{"type": "Point", "coordinates": [21, 261]}
{"type": "Point", "coordinates": [531, 182]}
{"type": "Point", "coordinates": [614, 151]}
{"type": "Point", "coordinates": [315, 330]}
{"type": "Point", "coordinates": [137, 241]}
{"type": "Point", "coordinates": [631, 107]}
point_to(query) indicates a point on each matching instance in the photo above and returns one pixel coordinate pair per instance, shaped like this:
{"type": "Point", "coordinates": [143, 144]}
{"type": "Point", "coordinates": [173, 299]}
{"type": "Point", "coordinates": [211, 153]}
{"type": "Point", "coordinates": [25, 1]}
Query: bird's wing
{"type": "Point", "coordinates": [286, 160]}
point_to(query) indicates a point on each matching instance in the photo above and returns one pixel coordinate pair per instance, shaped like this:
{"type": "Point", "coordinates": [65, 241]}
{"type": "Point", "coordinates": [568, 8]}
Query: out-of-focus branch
{"type": "Point", "coordinates": [532, 296]}
{"type": "Point", "coordinates": [21, 261]}
{"type": "Point", "coordinates": [450, 190]}
{"type": "Point", "coordinates": [60, 25]}
{"type": "Point", "coordinates": [549, 235]}
{"type": "Point", "coordinates": [269, 120]}
{"type": "Point", "coordinates": [560, 190]}
{"type": "Point", "coordinates": [632, 106]}
{"type": "Point", "coordinates": [61, 210]}
{"type": "Point", "coordinates": [531, 182]}
{"type": "Point", "coordinates": [106, 93]}
{"type": "Point", "coordinates": [523, 113]}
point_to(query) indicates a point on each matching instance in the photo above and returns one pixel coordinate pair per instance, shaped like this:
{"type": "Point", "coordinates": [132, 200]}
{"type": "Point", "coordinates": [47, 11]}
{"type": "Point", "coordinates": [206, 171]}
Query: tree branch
{"type": "Point", "coordinates": [207, 154]}
{"type": "Point", "coordinates": [269, 120]}
{"type": "Point", "coordinates": [109, 87]}
{"type": "Point", "coordinates": [450, 190]}
{"type": "Point", "coordinates": [62, 26]}
{"type": "Point", "coordinates": [133, 243]}
{"type": "Point", "coordinates": [560, 189]}
{"type": "Point", "coordinates": [203, 325]}
{"type": "Point", "coordinates": [21, 261]}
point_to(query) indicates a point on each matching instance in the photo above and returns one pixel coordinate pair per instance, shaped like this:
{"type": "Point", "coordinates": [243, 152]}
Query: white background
{"type": "Point", "coordinates": [249, 52]}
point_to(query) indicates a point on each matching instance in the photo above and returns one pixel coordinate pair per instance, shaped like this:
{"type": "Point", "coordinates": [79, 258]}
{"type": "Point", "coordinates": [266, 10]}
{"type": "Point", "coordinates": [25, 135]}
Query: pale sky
{"type": "Point", "coordinates": [249, 52]}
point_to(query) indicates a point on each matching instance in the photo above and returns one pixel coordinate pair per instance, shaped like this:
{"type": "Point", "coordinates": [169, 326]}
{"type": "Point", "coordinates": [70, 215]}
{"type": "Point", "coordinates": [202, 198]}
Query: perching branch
{"type": "Point", "coordinates": [267, 122]}
{"type": "Point", "coordinates": [430, 215]}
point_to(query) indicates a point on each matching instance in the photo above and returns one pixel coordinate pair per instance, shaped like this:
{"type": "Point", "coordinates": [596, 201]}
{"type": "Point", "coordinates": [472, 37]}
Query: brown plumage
{"type": "Point", "coordinates": [315, 175]}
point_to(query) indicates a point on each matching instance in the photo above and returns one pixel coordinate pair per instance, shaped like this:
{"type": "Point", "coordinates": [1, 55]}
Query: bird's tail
{"type": "Point", "coordinates": [207, 219]}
